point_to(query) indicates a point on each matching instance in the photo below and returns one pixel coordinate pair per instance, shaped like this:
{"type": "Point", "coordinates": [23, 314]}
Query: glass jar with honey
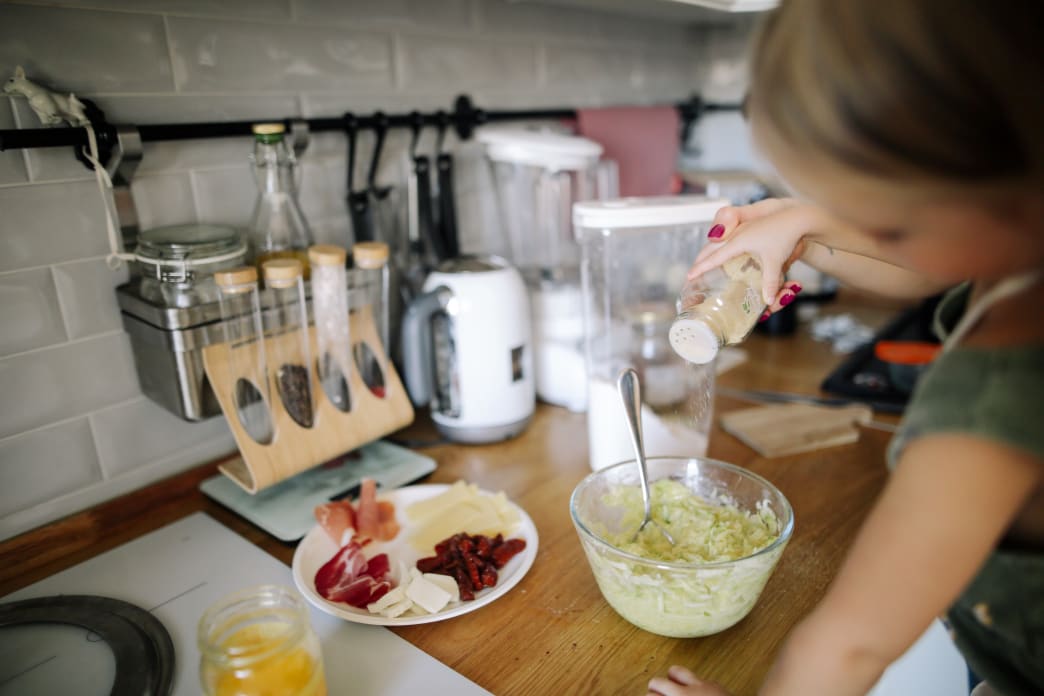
{"type": "Point", "coordinates": [259, 641]}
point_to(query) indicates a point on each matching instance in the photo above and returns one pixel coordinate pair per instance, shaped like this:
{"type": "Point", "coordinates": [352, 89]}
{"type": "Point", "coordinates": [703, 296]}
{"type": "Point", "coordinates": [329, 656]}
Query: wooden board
{"type": "Point", "coordinates": [294, 448]}
{"type": "Point", "coordinates": [781, 429]}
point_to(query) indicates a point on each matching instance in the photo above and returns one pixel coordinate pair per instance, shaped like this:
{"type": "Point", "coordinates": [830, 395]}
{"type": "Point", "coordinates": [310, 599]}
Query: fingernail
{"type": "Point", "coordinates": [765, 315]}
{"type": "Point", "coordinates": [716, 231]}
{"type": "Point", "coordinates": [795, 288]}
{"type": "Point", "coordinates": [786, 299]}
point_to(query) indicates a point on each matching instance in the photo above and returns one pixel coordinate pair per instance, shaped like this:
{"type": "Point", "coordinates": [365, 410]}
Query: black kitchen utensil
{"type": "Point", "coordinates": [358, 201]}
{"type": "Point", "coordinates": [447, 228]}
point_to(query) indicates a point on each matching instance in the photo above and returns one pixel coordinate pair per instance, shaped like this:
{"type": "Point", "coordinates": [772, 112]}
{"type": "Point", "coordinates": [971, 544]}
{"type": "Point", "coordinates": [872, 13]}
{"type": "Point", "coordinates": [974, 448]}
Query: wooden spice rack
{"type": "Point", "coordinates": [294, 448]}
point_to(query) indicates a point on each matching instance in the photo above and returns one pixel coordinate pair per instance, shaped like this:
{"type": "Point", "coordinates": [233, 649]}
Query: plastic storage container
{"type": "Point", "coordinates": [537, 177]}
{"type": "Point", "coordinates": [177, 263]}
{"type": "Point", "coordinates": [719, 308]}
{"type": "Point", "coordinates": [636, 253]}
{"type": "Point", "coordinates": [259, 641]}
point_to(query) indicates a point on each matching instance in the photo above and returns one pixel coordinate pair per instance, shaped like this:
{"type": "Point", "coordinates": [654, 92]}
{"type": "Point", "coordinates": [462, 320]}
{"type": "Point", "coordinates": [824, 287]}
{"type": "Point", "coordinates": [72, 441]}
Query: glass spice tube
{"type": "Point", "coordinates": [240, 307]}
{"type": "Point", "coordinates": [330, 309]}
{"type": "Point", "coordinates": [370, 276]}
{"type": "Point", "coordinates": [287, 334]}
{"type": "Point", "coordinates": [259, 641]}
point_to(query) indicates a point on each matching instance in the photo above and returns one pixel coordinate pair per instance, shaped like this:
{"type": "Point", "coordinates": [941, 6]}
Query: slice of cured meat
{"type": "Point", "coordinates": [368, 516]}
{"type": "Point", "coordinates": [351, 578]}
{"type": "Point", "coordinates": [336, 518]}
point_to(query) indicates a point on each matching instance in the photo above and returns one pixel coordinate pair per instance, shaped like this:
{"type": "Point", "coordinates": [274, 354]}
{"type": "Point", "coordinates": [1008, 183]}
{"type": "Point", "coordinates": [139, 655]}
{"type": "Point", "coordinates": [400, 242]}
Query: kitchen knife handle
{"type": "Point", "coordinates": [447, 205]}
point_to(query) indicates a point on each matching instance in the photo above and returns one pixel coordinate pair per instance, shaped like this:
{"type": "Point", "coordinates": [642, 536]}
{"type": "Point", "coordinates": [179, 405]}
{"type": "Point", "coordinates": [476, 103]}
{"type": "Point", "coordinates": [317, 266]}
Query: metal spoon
{"type": "Point", "coordinates": [631, 393]}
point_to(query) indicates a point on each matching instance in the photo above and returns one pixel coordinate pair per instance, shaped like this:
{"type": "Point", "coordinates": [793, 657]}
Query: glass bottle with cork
{"type": "Point", "coordinates": [240, 306]}
{"type": "Point", "coordinates": [332, 333]}
{"type": "Point", "coordinates": [371, 280]}
{"type": "Point", "coordinates": [278, 229]}
{"type": "Point", "coordinates": [288, 342]}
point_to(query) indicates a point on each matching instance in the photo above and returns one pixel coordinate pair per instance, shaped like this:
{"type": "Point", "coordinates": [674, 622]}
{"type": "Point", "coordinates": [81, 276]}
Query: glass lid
{"type": "Point", "coordinates": [188, 242]}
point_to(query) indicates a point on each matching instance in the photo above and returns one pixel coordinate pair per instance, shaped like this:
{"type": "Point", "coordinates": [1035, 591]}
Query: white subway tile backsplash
{"type": "Point", "coordinates": [50, 223]}
{"type": "Point", "coordinates": [47, 163]}
{"type": "Point", "coordinates": [214, 55]}
{"type": "Point", "coordinates": [66, 381]}
{"type": "Point", "coordinates": [225, 196]}
{"type": "Point", "coordinates": [42, 465]}
{"type": "Point", "coordinates": [85, 51]}
{"type": "Point", "coordinates": [29, 311]}
{"type": "Point", "coordinates": [12, 163]}
{"type": "Point", "coordinates": [459, 66]}
{"type": "Point", "coordinates": [609, 70]}
{"type": "Point", "coordinates": [137, 433]}
{"type": "Point", "coordinates": [453, 15]}
{"type": "Point", "coordinates": [192, 108]}
{"type": "Point", "coordinates": [163, 199]}
{"type": "Point", "coordinates": [245, 9]}
{"type": "Point", "coordinates": [87, 290]}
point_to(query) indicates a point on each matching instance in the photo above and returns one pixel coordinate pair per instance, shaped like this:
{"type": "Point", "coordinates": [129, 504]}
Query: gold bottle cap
{"type": "Point", "coordinates": [327, 255]}
{"type": "Point", "coordinates": [268, 128]}
{"type": "Point", "coordinates": [282, 273]}
{"type": "Point", "coordinates": [370, 254]}
{"type": "Point", "coordinates": [235, 279]}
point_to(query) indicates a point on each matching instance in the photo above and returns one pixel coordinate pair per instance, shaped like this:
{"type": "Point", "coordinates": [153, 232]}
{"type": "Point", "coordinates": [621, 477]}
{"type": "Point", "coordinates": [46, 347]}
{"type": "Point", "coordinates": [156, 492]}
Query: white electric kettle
{"type": "Point", "coordinates": [467, 350]}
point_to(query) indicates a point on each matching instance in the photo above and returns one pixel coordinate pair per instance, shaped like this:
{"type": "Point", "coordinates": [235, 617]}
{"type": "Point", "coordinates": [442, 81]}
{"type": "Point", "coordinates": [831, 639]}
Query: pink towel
{"type": "Point", "coordinates": [643, 140]}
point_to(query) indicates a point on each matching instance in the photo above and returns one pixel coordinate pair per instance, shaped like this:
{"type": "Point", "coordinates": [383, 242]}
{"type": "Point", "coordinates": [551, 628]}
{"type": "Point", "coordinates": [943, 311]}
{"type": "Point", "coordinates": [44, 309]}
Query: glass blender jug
{"type": "Point", "coordinates": [636, 253]}
{"type": "Point", "coordinates": [537, 177]}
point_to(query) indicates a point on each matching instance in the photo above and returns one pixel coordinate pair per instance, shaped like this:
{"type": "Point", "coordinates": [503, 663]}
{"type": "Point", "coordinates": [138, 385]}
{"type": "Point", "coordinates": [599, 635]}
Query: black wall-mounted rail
{"type": "Point", "coordinates": [463, 118]}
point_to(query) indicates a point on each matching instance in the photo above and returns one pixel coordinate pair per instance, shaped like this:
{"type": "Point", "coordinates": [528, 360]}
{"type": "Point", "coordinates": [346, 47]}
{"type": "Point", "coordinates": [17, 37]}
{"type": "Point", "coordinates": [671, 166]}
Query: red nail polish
{"type": "Point", "coordinates": [795, 288]}
{"type": "Point", "coordinates": [765, 315]}
{"type": "Point", "coordinates": [716, 231]}
{"type": "Point", "coordinates": [786, 299]}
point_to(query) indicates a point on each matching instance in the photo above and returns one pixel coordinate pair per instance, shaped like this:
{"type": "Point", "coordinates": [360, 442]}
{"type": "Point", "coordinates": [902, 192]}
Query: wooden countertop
{"type": "Point", "coordinates": [554, 633]}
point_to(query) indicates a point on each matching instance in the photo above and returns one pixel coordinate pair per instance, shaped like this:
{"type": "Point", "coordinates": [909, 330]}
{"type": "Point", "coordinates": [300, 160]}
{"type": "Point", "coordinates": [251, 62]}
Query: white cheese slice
{"type": "Point", "coordinates": [397, 609]}
{"type": "Point", "coordinates": [427, 594]}
{"type": "Point", "coordinates": [395, 594]}
{"type": "Point", "coordinates": [446, 583]}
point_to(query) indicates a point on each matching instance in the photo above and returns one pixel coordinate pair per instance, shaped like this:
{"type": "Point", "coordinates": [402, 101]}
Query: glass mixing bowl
{"type": "Point", "coordinates": [671, 598]}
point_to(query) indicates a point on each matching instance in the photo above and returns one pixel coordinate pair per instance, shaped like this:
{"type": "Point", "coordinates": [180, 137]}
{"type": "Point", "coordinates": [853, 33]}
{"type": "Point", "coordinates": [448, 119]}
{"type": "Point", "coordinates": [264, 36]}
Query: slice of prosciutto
{"type": "Point", "coordinates": [351, 578]}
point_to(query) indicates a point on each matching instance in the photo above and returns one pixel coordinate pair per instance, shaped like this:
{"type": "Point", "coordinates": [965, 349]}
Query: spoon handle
{"type": "Point", "coordinates": [631, 393]}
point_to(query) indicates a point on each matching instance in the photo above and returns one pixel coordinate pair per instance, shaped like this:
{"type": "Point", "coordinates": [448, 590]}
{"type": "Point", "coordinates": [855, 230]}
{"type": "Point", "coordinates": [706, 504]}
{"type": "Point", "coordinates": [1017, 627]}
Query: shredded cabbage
{"type": "Point", "coordinates": [684, 602]}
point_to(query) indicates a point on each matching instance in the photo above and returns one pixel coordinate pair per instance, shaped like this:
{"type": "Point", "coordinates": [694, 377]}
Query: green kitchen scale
{"type": "Point", "coordinates": [285, 509]}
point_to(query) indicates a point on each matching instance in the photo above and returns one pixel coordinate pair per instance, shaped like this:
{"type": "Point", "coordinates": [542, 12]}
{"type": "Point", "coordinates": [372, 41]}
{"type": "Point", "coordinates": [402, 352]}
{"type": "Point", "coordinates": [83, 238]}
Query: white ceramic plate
{"type": "Point", "coordinates": [317, 548]}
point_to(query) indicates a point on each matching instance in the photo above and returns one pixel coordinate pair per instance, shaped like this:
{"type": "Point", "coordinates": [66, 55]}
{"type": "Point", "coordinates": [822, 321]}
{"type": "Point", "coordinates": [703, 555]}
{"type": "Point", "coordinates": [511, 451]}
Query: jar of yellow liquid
{"type": "Point", "coordinates": [259, 642]}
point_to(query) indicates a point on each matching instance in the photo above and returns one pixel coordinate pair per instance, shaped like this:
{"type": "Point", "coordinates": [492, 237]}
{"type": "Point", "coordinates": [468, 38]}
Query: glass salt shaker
{"type": "Point", "coordinates": [259, 641]}
{"type": "Point", "coordinates": [371, 279]}
{"type": "Point", "coordinates": [332, 334]}
{"type": "Point", "coordinates": [287, 333]}
{"type": "Point", "coordinates": [240, 306]}
{"type": "Point", "coordinates": [718, 308]}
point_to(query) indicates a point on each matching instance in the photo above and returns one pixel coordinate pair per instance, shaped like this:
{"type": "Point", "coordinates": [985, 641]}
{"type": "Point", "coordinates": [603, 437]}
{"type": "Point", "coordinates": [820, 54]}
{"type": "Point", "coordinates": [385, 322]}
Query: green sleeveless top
{"type": "Point", "coordinates": [996, 394]}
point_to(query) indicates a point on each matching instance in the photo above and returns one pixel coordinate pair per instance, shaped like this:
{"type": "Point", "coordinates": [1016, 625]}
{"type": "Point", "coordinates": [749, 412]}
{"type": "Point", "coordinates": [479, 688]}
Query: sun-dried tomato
{"type": "Point", "coordinates": [471, 560]}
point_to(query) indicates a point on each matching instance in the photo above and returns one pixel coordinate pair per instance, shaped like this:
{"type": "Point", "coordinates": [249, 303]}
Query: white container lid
{"type": "Point", "coordinates": [550, 151]}
{"type": "Point", "coordinates": [693, 340]}
{"type": "Point", "coordinates": [653, 211]}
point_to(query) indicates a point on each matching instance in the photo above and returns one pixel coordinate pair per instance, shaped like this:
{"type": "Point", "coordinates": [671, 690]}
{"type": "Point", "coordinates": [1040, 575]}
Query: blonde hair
{"type": "Point", "coordinates": [938, 90]}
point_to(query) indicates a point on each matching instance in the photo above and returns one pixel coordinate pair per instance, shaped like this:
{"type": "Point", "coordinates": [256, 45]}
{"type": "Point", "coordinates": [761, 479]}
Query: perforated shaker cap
{"type": "Point", "coordinates": [693, 340]}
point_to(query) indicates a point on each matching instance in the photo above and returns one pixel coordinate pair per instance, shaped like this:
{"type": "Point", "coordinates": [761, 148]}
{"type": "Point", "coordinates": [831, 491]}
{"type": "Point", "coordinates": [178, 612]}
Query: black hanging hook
{"type": "Point", "coordinates": [416, 124]}
{"type": "Point", "coordinates": [442, 121]}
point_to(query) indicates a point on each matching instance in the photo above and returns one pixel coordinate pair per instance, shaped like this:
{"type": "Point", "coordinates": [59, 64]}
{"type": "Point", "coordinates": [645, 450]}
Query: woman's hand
{"type": "Point", "coordinates": [772, 231]}
{"type": "Point", "coordinates": [681, 682]}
